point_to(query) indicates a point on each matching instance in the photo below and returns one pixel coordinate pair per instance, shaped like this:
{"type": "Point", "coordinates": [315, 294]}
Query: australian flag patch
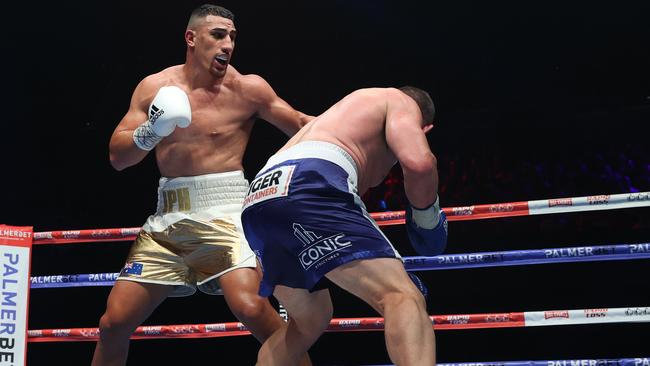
{"type": "Point", "coordinates": [133, 268]}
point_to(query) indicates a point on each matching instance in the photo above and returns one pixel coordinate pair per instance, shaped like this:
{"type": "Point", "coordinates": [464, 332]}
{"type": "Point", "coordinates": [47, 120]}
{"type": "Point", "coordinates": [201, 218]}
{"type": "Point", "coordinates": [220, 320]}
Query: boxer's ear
{"type": "Point", "coordinates": [189, 37]}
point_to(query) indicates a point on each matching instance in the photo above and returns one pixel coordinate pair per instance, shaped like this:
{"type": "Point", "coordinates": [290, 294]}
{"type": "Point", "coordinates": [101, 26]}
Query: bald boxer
{"type": "Point", "coordinates": [197, 118]}
{"type": "Point", "coordinates": [305, 220]}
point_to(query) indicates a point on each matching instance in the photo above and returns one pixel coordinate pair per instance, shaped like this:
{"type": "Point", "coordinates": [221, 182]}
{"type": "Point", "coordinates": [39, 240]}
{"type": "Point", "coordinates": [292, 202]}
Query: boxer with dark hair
{"type": "Point", "coordinates": [304, 218]}
{"type": "Point", "coordinates": [198, 117]}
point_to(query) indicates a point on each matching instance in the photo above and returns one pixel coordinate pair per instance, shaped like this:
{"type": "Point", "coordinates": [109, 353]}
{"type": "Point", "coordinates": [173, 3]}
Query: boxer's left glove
{"type": "Point", "coordinates": [170, 108]}
{"type": "Point", "coordinates": [427, 229]}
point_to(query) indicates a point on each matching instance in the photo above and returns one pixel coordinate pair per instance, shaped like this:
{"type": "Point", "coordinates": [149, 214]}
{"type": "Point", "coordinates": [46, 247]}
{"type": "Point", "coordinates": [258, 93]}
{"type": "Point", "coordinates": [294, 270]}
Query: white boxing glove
{"type": "Point", "coordinates": [169, 108]}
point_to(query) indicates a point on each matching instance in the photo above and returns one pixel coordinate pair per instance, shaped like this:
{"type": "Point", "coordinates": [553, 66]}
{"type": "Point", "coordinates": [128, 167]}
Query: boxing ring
{"type": "Point", "coordinates": [526, 318]}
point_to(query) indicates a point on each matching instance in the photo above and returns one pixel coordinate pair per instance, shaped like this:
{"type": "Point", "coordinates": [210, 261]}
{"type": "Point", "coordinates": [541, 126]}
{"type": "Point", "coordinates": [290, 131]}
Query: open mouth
{"type": "Point", "coordinates": [222, 59]}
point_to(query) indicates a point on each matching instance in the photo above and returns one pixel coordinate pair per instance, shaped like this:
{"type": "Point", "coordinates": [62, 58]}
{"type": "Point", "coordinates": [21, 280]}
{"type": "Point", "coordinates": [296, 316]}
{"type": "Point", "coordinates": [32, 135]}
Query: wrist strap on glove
{"type": "Point", "coordinates": [145, 138]}
{"type": "Point", "coordinates": [427, 218]}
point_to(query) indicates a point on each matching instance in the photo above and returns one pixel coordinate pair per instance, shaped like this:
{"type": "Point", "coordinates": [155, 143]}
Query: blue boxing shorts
{"type": "Point", "coordinates": [302, 216]}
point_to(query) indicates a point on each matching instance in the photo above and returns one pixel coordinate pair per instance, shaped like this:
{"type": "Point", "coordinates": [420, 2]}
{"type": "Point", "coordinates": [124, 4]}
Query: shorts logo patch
{"type": "Point", "coordinates": [305, 236]}
{"type": "Point", "coordinates": [272, 184]}
{"type": "Point", "coordinates": [318, 250]}
{"type": "Point", "coordinates": [133, 268]}
{"type": "Point", "coordinates": [176, 200]}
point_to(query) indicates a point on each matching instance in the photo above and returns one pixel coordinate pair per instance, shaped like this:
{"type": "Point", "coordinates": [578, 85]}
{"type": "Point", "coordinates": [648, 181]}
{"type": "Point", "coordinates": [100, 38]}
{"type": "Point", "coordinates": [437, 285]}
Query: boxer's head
{"type": "Point", "coordinates": [424, 101]}
{"type": "Point", "coordinates": [210, 38]}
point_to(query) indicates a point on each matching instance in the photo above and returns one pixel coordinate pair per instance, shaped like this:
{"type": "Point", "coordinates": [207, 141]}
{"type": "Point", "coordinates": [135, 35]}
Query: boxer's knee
{"type": "Point", "coordinates": [404, 296]}
{"type": "Point", "coordinates": [250, 307]}
{"type": "Point", "coordinates": [116, 326]}
{"type": "Point", "coordinates": [315, 315]}
{"type": "Point", "coordinates": [323, 317]}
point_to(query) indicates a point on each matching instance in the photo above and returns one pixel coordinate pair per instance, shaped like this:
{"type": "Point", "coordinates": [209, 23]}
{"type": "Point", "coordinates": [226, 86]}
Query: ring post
{"type": "Point", "coordinates": [15, 254]}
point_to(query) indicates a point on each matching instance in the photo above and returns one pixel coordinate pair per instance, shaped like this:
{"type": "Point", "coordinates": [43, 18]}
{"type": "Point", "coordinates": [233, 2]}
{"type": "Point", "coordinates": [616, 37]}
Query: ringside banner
{"type": "Point", "coordinates": [15, 254]}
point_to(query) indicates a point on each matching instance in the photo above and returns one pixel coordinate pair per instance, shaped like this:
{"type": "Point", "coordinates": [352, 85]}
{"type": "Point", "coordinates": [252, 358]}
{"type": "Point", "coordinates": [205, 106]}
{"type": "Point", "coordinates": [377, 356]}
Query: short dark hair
{"type": "Point", "coordinates": [210, 9]}
{"type": "Point", "coordinates": [424, 101]}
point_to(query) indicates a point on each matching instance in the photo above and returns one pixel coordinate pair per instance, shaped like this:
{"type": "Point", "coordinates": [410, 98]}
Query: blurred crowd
{"type": "Point", "coordinates": [495, 176]}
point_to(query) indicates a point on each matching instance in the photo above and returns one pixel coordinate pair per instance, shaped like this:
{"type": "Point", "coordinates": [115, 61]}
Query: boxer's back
{"type": "Point", "coordinates": [357, 124]}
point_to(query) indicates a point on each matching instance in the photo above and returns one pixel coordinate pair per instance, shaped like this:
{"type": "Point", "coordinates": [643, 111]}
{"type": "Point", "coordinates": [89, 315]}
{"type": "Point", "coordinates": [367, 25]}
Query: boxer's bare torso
{"type": "Point", "coordinates": [224, 105]}
{"type": "Point", "coordinates": [222, 120]}
{"type": "Point", "coordinates": [358, 124]}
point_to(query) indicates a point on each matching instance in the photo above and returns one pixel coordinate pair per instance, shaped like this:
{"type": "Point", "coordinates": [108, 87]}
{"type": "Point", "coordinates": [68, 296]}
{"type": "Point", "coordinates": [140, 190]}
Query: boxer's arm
{"type": "Point", "coordinates": [426, 224]}
{"type": "Point", "coordinates": [123, 151]}
{"type": "Point", "coordinates": [275, 110]}
{"type": "Point", "coordinates": [406, 139]}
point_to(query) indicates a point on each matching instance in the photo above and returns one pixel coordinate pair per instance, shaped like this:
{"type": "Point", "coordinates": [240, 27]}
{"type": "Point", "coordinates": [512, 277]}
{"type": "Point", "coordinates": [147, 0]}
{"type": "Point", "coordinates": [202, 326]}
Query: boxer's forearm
{"type": "Point", "coordinates": [123, 152]}
{"type": "Point", "coordinates": [421, 181]}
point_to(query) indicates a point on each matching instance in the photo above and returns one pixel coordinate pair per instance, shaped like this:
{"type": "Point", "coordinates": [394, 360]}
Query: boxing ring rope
{"type": "Point", "coordinates": [640, 361]}
{"type": "Point", "coordinates": [440, 262]}
{"type": "Point", "coordinates": [439, 322]}
{"type": "Point", "coordinates": [450, 261]}
{"type": "Point", "coordinates": [474, 212]}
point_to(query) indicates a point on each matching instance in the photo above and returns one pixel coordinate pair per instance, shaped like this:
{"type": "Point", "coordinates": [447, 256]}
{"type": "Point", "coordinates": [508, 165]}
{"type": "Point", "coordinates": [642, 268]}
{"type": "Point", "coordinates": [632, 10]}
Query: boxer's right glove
{"type": "Point", "coordinates": [427, 229]}
{"type": "Point", "coordinates": [169, 108]}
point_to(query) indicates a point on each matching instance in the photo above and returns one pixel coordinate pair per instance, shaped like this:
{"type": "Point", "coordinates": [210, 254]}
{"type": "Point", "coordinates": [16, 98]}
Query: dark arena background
{"type": "Point", "coordinates": [535, 100]}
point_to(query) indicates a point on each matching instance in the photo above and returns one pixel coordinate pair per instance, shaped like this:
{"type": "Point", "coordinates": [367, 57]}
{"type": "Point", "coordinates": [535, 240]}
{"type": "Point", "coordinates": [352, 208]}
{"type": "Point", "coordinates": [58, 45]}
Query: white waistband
{"type": "Point", "coordinates": [317, 150]}
{"type": "Point", "coordinates": [190, 194]}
